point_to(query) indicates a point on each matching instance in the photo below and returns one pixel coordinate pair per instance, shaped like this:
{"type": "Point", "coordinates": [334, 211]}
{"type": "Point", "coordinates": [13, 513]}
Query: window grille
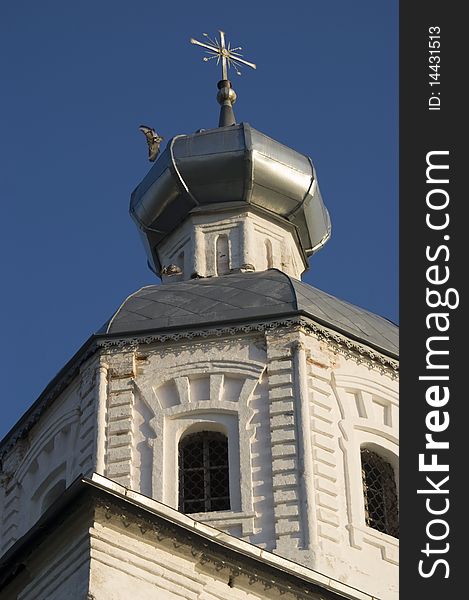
{"type": "Point", "coordinates": [380, 494]}
{"type": "Point", "coordinates": [203, 472]}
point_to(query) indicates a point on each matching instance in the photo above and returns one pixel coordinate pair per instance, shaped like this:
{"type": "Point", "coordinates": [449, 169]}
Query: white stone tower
{"type": "Point", "coordinates": [232, 391]}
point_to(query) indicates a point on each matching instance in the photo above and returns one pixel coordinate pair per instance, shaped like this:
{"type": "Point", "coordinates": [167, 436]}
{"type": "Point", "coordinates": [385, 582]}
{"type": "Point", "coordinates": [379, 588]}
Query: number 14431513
{"type": "Point", "coordinates": [434, 59]}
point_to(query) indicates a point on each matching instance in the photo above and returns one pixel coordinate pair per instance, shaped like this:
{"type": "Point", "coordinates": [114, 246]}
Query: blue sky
{"type": "Point", "coordinates": [77, 81]}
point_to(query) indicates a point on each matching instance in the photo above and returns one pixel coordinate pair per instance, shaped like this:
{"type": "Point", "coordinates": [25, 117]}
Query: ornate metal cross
{"type": "Point", "coordinates": [230, 57]}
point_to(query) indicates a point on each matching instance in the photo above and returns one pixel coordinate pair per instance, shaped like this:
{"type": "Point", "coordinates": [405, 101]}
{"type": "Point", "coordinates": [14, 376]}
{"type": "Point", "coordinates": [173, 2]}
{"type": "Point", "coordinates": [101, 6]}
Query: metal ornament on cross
{"type": "Point", "coordinates": [229, 57]}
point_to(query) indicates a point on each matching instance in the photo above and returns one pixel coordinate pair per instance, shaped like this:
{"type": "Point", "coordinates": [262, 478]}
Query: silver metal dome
{"type": "Point", "coordinates": [232, 165]}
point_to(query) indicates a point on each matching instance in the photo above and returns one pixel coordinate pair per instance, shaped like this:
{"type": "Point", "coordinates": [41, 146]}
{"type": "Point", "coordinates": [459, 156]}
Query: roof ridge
{"type": "Point", "coordinates": [111, 320]}
{"type": "Point", "coordinates": [348, 303]}
{"type": "Point", "coordinates": [292, 285]}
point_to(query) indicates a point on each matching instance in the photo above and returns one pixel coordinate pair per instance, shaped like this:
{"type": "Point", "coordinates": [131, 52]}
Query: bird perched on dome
{"type": "Point", "coordinates": [153, 141]}
{"type": "Point", "coordinates": [171, 270]}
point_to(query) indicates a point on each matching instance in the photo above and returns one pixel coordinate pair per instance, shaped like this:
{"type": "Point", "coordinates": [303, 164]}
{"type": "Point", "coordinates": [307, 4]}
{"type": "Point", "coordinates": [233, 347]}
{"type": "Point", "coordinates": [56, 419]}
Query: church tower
{"type": "Point", "coordinates": [231, 392]}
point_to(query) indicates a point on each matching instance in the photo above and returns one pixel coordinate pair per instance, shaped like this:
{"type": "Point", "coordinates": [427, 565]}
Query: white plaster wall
{"type": "Point", "coordinates": [56, 450]}
{"type": "Point", "coordinates": [103, 550]}
{"type": "Point", "coordinates": [252, 240]}
{"type": "Point", "coordinates": [126, 563]}
{"type": "Point", "coordinates": [352, 404]}
{"type": "Point", "coordinates": [261, 466]}
{"type": "Point", "coordinates": [58, 569]}
{"type": "Point", "coordinates": [215, 385]}
{"type": "Point", "coordinates": [296, 410]}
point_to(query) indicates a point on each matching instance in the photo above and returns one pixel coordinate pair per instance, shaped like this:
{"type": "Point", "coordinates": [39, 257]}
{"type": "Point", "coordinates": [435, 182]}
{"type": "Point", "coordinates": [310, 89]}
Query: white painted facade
{"type": "Point", "coordinates": [296, 407]}
{"type": "Point", "coordinates": [222, 241]}
{"type": "Point", "coordinates": [110, 543]}
{"type": "Point", "coordinates": [38, 467]}
{"type": "Point", "coordinates": [296, 400]}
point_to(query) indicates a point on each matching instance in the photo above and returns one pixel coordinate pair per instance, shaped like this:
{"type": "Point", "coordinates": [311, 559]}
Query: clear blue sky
{"type": "Point", "coordinates": [78, 78]}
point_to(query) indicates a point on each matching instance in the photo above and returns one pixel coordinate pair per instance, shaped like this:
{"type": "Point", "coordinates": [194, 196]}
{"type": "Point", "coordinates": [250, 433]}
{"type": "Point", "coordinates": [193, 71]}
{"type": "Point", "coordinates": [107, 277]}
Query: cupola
{"type": "Point", "coordinates": [228, 200]}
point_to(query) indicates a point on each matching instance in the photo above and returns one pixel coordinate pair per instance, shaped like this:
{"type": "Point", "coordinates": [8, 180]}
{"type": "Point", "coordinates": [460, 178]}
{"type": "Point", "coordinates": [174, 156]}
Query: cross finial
{"type": "Point", "coordinates": [230, 57]}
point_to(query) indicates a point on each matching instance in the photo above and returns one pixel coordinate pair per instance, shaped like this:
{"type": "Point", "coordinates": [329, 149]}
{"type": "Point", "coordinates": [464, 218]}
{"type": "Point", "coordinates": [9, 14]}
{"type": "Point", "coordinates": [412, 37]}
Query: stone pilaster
{"type": "Point", "coordinates": [284, 423]}
{"type": "Point", "coordinates": [326, 451]}
{"type": "Point", "coordinates": [87, 426]}
{"type": "Point", "coordinates": [120, 402]}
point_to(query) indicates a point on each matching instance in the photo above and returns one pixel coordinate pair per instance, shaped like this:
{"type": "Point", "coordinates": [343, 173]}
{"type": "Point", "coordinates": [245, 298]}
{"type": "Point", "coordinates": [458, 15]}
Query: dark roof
{"type": "Point", "coordinates": [235, 298]}
{"type": "Point", "coordinates": [246, 297]}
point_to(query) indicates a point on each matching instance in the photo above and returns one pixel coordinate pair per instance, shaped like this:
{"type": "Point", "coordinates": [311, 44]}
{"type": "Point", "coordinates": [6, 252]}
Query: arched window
{"type": "Point", "coordinates": [380, 493]}
{"type": "Point", "coordinates": [268, 253]}
{"type": "Point", "coordinates": [223, 255]}
{"type": "Point", "coordinates": [203, 472]}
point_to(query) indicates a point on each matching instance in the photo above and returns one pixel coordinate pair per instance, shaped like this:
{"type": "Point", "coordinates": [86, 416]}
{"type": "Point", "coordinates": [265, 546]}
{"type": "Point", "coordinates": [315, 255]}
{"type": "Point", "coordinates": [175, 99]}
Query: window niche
{"type": "Point", "coordinates": [222, 255]}
{"type": "Point", "coordinates": [268, 253]}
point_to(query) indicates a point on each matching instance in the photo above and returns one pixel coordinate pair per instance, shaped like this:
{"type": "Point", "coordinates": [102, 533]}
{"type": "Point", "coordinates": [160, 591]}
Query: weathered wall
{"type": "Point", "coordinates": [105, 543]}
{"type": "Point", "coordinates": [352, 404]}
{"type": "Point", "coordinates": [230, 241]}
{"type": "Point", "coordinates": [130, 558]}
{"type": "Point", "coordinates": [56, 568]}
{"type": "Point", "coordinates": [159, 393]}
{"type": "Point", "coordinates": [39, 466]}
{"type": "Point", "coordinates": [296, 406]}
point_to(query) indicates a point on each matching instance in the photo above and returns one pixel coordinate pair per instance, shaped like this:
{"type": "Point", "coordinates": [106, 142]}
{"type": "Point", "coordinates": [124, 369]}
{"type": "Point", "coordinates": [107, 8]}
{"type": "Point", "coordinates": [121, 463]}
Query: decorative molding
{"type": "Point", "coordinates": [63, 424]}
{"type": "Point", "coordinates": [359, 426]}
{"type": "Point", "coordinates": [361, 353]}
{"type": "Point", "coordinates": [225, 520]}
{"type": "Point", "coordinates": [388, 545]}
{"type": "Point", "coordinates": [174, 407]}
{"type": "Point", "coordinates": [327, 484]}
{"type": "Point", "coordinates": [339, 343]}
{"type": "Point", "coordinates": [288, 490]}
{"type": "Point", "coordinates": [380, 388]}
{"type": "Point", "coordinates": [118, 459]}
{"type": "Point", "coordinates": [204, 552]}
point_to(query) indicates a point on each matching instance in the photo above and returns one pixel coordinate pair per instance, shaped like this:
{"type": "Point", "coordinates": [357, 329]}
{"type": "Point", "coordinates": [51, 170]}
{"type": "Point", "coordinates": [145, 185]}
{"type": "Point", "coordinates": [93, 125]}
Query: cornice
{"type": "Point", "coordinates": [238, 569]}
{"type": "Point", "coordinates": [339, 343]}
